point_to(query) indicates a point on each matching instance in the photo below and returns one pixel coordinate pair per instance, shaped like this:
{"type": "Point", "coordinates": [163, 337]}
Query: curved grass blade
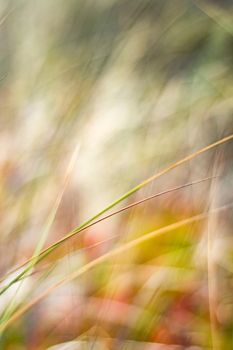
{"type": "Point", "coordinates": [48, 250]}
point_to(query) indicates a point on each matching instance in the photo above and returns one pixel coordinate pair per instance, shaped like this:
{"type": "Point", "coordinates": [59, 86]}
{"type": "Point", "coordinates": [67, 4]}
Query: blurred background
{"type": "Point", "coordinates": [95, 97]}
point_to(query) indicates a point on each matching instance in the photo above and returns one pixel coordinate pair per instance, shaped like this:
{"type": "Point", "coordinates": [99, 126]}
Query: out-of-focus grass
{"type": "Point", "coordinates": [135, 86]}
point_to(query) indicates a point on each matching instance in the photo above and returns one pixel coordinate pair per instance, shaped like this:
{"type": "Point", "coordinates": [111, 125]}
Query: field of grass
{"type": "Point", "coordinates": [116, 174]}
